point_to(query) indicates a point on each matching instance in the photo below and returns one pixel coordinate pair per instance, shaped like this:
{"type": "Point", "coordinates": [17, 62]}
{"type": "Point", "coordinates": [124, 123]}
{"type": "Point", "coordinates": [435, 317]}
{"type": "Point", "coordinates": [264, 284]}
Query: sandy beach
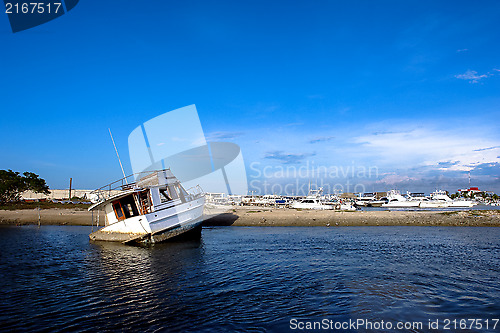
{"type": "Point", "coordinates": [279, 217]}
{"type": "Point", "coordinates": [292, 217]}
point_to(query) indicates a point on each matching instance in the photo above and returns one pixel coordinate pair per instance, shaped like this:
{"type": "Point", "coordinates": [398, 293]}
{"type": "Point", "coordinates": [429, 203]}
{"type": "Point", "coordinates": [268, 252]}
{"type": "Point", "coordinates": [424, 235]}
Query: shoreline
{"type": "Point", "coordinates": [254, 216]}
{"type": "Point", "coordinates": [51, 216]}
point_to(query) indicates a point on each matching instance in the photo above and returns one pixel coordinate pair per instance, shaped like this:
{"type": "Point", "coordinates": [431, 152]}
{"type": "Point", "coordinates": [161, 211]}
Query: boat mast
{"type": "Point", "coordinates": [116, 150]}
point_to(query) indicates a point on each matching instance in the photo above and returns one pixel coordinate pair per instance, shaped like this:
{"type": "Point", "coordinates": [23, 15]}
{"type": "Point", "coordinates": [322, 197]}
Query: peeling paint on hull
{"type": "Point", "coordinates": [145, 238]}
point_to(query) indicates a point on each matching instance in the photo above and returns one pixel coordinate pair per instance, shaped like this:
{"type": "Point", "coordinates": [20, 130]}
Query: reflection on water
{"type": "Point", "coordinates": [139, 283]}
{"type": "Point", "coordinates": [237, 278]}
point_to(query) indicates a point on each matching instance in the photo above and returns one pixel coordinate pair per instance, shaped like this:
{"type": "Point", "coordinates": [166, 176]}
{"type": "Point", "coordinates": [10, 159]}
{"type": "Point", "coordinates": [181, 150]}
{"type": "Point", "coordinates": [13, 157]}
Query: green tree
{"type": "Point", "coordinates": [13, 184]}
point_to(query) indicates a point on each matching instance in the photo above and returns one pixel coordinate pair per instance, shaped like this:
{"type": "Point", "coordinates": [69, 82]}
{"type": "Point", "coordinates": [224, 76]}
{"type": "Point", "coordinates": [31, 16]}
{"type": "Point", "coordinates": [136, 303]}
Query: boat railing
{"type": "Point", "coordinates": [124, 184]}
{"type": "Point", "coordinates": [137, 181]}
{"type": "Point", "coordinates": [107, 191]}
{"type": "Point", "coordinates": [195, 191]}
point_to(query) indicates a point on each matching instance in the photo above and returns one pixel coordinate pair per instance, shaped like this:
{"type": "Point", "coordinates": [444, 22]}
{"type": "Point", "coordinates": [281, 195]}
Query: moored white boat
{"type": "Point", "coordinates": [396, 200]}
{"type": "Point", "coordinates": [152, 209]}
{"type": "Point", "coordinates": [376, 203]}
{"type": "Point", "coordinates": [312, 201]}
{"type": "Point", "coordinates": [462, 204]}
{"type": "Point", "coordinates": [368, 200]}
{"type": "Point", "coordinates": [347, 206]}
{"type": "Point", "coordinates": [363, 200]}
{"type": "Point", "coordinates": [443, 197]}
{"type": "Point", "coordinates": [429, 203]}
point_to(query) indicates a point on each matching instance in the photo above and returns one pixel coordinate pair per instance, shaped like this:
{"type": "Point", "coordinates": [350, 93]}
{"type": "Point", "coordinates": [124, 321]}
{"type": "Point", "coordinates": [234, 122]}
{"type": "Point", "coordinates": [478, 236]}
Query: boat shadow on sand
{"type": "Point", "coordinates": [224, 219]}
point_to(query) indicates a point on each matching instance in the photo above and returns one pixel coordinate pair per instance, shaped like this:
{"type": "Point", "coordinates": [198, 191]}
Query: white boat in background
{"type": "Point", "coordinates": [376, 203]}
{"type": "Point", "coordinates": [312, 201]}
{"type": "Point", "coordinates": [427, 202]}
{"type": "Point", "coordinates": [443, 197]}
{"type": "Point", "coordinates": [396, 200]}
{"type": "Point", "coordinates": [347, 206]}
{"type": "Point", "coordinates": [152, 209]}
{"type": "Point", "coordinates": [368, 200]}
{"type": "Point", "coordinates": [437, 199]}
{"type": "Point", "coordinates": [363, 200]}
{"type": "Point", "coordinates": [462, 204]}
{"type": "Point", "coordinates": [267, 200]}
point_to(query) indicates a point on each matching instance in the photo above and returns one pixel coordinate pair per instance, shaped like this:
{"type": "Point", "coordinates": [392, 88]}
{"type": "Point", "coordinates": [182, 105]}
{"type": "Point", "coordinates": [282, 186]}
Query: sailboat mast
{"type": "Point", "coordinates": [119, 160]}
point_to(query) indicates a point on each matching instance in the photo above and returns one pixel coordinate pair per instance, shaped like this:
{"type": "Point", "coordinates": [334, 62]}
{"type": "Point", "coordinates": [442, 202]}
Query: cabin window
{"type": "Point", "coordinates": [165, 195]}
{"type": "Point", "coordinates": [181, 192]}
{"type": "Point", "coordinates": [172, 192]}
{"type": "Point", "coordinates": [129, 206]}
{"type": "Point", "coordinates": [117, 207]}
{"type": "Point", "coordinates": [125, 208]}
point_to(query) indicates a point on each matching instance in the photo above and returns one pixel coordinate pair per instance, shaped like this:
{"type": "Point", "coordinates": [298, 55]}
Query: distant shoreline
{"type": "Point", "coordinates": [51, 216]}
{"type": "Point", "coordinates": [278, 217]}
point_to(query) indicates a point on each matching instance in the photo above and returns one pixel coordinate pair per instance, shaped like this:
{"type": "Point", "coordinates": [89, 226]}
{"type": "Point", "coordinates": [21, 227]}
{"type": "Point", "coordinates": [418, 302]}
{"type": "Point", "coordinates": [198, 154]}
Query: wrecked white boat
{"type": "Point", "coordinates": [152, 209]}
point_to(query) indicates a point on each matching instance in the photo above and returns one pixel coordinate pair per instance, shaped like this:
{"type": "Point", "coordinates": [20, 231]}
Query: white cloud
{"type": "Point", "coordinates": [446, 150]}
{"type": "Point", "coordinates": [393, 179]}
{"type": "Point", "coordinates": [287, 158]}
{"type": "Point", "coordinates": [319, 139]}
{"type": "Point", "coordinates": [223, 135]}
{"type": "Point", "coordinates": [472, 76]}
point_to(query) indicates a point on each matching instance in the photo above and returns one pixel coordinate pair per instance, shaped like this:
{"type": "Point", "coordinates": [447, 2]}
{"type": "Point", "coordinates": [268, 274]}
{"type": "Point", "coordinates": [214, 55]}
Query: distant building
{"type": "Point", "coordinates": [348, 195]}
{"type": "Point", "coordinates": [472, 190]}
{"type": "Point", "coordinates": [55, 195]}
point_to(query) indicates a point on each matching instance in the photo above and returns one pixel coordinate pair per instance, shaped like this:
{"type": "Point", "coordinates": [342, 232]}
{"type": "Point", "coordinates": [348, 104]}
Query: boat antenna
{"type": "Point", "coordinates": [121, 166]}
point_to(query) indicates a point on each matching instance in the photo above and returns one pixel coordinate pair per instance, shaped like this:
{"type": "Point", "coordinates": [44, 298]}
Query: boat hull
{"type": "Point", "coordinates": [170, 233]}
{"type": "Point", "coordinates": [462, 204]}
{"type": "Point", "coordinates": [401, 204]}
{"type": "Point", "coordinates": [154, 227]}
{"type": "Point", "coordinates": [431, 204]}
{"type": "Point", "coordinates": [347, 207]}
{"type": "Point", "coordinates": [375, 203]}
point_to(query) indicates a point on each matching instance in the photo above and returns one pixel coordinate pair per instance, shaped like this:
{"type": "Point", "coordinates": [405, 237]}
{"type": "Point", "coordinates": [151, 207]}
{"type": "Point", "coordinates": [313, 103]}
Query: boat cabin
{"type": "Point", "coordinates": [141, 198]}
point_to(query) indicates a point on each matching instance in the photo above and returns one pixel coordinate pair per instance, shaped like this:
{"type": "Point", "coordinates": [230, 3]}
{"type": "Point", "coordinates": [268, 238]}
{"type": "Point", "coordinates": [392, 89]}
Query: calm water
{"type": "Point", "coordinates": [248, 279]}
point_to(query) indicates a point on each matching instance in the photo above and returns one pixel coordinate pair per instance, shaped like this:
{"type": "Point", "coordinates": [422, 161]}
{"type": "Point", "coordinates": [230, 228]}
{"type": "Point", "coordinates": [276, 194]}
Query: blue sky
{"type": "Point", "coordinates": [411, 88]}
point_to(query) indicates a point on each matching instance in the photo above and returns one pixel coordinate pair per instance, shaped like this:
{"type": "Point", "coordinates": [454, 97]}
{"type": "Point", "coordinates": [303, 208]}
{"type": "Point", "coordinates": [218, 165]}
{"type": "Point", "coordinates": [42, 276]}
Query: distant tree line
{"type": "Point", "coordinates": [13, 184]}
{"type": "Point", "coordinates": [472, 195]}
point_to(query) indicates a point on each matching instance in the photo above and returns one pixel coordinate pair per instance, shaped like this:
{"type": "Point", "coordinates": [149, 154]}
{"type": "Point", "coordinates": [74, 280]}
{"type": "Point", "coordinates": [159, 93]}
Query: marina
{"type": "Point", "coordinates": [317, 200]}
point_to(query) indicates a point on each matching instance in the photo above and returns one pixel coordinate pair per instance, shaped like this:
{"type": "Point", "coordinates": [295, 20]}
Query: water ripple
{"type": "Point", "coordinates": [246, 279]}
